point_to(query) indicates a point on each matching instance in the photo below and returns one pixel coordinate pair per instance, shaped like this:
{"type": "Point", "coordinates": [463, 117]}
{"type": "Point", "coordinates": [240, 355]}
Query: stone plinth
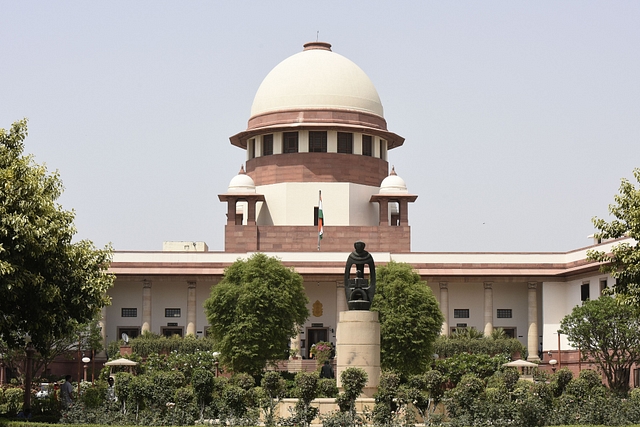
{"type": "Point", "coordinates": [358, 346]}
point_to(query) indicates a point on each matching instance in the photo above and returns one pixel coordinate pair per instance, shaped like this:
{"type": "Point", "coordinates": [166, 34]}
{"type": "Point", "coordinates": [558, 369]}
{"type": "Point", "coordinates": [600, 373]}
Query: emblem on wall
{"type": "Point", "coordinates": [317, 309]}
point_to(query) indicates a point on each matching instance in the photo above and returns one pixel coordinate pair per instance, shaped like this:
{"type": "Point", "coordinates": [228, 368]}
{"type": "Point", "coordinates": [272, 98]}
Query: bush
{"type": "Point", "coordinates": [481, 365]}
{"type": "Point", "coordinates": [94, 396]}
{"type": "Point", "coordinates": [327, 387]}
{"type": "Point", "coordinates": [468, 343]}
{"type": "Point", "coordinates": [306, 390]}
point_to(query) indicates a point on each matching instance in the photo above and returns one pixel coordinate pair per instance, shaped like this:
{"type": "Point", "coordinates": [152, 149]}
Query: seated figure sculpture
{"type": "Point", "coordinates": [359, 291]}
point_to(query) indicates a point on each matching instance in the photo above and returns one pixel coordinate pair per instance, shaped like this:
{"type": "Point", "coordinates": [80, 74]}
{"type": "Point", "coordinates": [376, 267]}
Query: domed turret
{"type": "Point", "coordinates": [242, 183]}
{"type": "Point", "coordinates": [393, 184]}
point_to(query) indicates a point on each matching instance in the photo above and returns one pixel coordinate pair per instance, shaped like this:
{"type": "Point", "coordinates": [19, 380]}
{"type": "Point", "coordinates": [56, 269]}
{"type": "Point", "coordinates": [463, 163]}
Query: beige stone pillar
{"type": "Point", "coordinates": [532, 341]}
{"type": "Point", "coordinates": [488, 308]}
{"type": "Point", "coordinates": [295, 345]}
{"type": "Point", "coordinates": [358, 346]}
{"type": "Point", "coordinates": [341, 300]}
{"type": "Point", "coordinates": [444, 307]}
{"type": "Point", "coordinates": [146, 306]}
{"type": "Point", "coordinates": [102, 324]}
{"type": "Point", "coordinates": [191, 308]}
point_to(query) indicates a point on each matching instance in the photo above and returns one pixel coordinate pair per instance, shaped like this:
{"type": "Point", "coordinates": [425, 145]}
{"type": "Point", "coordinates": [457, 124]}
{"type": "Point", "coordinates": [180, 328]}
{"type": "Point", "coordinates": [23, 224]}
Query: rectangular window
{"type": "Point", "coordinates": [504, 313]}
{"type": "Point", "coordinates": [383, 149]}
{"type": "Point", "coordinates": [510, 332]}
{"type": "Point", "coordinates": [129, 312]}
{"type": "Point", "coordinates": [290, 142]}
{"type": "Point", "coordinates": [584, 292]}
{"type": "Point", "coordinates": [367, 145]}
{"type": "Point", "coordinates": [461, 313]}
{"type": "Point", "coordinates": [603, 285]}
{"type": "Point", "coordinates": [171, 331]}
{"type": "Point", "coordinates": [267, 145]}
{"type": "Point", "coordinates": [132, 332]}
{"type": "Point", "coordinates": [315, 216]}
{"type": "Point", "coordinates": [317, 142]}
{"type": "Point", "coordinates": [345, 143]}
{"type": "Point", "coordinates": [251, 148]}
{"type": "Point", "coordinates": [171, 312]}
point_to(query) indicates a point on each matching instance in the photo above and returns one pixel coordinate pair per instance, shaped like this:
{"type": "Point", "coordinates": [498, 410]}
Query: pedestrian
{"type": "Point", "coordinates": [327, 370]}
{"type": "Point", "coordinates": [66, 390]}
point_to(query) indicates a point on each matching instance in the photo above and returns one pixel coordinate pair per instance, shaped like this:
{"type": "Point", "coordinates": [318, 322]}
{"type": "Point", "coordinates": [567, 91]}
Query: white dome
{"type": "Point", "coordinates": [242, 183]}
{"type": "Point", "coordinates": [393, 184]}
{"type": "Point", "coordinates": [316, 78]}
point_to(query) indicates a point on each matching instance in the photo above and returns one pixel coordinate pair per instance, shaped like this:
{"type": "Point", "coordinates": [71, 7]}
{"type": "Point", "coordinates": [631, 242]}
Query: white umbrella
{"type": "Point", "coordinates": [121, 362]}
{"type": "Point", "coordinates": [521, 364]}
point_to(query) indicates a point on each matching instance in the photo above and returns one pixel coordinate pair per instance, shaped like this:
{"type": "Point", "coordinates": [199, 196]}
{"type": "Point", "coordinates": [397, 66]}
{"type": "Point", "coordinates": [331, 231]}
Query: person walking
{"type": "Point", "coordinates": [66, 390]}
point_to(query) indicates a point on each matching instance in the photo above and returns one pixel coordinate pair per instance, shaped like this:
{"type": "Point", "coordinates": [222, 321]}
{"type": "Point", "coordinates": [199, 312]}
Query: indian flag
{"type": "Point", "coordinates": [320, 219]}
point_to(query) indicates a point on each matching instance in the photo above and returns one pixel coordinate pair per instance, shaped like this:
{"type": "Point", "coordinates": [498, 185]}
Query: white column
{"type": "Point", "coordinates": [295, 347]}
{"type": "Point", "coordinates": [444, 307]}
{"type": "Point", "coordinates": [191, 308]}
{"type": "Point", "coordinates": [146, 306]}
{"type": "Point", "coordinates": [488, 308]}
{"type": "Point", "coordinates": [102, 323]}
{"type": "Point", "coordinates": [532, 341]}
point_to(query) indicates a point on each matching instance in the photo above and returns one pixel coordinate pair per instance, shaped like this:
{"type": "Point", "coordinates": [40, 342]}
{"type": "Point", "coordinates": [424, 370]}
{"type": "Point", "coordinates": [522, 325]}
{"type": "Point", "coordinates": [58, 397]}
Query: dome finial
{"type": "Point", "coordinates": [393, 171]}
{"type": "Point", "coordinates": [242, 172]}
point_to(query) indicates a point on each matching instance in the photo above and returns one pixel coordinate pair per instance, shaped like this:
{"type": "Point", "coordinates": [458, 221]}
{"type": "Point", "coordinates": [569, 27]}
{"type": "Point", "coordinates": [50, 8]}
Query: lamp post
{"type": "Point", "coordinates": [216, 354]}
{"type": "Point", "coordinates": [86, 361]}
{"type": "Point", "coordinates": [553, 363]}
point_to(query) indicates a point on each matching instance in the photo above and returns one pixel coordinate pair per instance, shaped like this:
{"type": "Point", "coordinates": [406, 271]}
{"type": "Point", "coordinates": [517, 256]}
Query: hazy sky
{"type": "Point", "coordinates": [520, 118]}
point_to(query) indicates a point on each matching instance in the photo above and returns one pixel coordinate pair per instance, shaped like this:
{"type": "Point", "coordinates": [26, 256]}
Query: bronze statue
{"type": "Point", "coordinates": [360, 291]}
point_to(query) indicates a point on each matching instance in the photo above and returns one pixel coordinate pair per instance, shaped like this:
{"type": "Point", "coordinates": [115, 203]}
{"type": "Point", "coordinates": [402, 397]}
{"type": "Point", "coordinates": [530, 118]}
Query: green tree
{"type": "Point", "coordinates": [623, 262]}
{"type": "Point", "coordinates": [48, 284]}
{"type": "Point", "coordinates": [254, 311]}
{"type": "Point", "coordinates": [607, 333]}
{"type": "Point", "coordinates": [410, 319]}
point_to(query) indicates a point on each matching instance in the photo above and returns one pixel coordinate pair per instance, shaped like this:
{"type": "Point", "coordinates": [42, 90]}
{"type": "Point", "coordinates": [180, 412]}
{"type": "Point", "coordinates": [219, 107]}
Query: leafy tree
{"type": "Point", "coordinates": [410, 319]}
{"type": "Point", "coordinates": [254, 312]}
{"type": "Point", "coordinates": [48, 284]}
{"type": "Point", "coordinates": [607, 333]}
{"type": "Point", "coordinates": [623, 263]}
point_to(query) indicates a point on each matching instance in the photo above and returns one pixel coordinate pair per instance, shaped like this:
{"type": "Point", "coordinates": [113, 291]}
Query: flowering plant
{"type": "Point", "coordinates": [321, 351]}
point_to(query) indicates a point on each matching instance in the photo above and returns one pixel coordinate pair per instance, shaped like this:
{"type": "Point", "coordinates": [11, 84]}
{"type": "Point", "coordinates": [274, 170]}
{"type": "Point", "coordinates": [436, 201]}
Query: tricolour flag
{"type": "Point", "coordinates": [320, 219]}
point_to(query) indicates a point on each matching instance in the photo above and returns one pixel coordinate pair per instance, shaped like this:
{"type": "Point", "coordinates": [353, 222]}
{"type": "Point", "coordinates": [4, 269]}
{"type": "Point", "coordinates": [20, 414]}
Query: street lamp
{"type": "Point", "coordinates": [86, 361]}
{"type": "Point", "coordinates": [216, 354]}
{"type": "Point", "coordinates": [553, 363]}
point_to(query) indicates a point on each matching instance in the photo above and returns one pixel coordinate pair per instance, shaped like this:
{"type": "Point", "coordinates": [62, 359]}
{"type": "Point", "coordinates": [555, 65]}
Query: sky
{"type": "Point", "coordinates": [520, 118]}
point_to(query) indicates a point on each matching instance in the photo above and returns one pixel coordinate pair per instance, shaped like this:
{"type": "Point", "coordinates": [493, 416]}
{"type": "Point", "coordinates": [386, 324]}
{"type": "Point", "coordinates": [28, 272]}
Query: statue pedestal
{"type": "Point", "coordinates": [358, 346]}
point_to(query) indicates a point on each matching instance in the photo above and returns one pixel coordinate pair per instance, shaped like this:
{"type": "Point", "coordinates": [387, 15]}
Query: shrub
{"type": "Point", "coordinates": [94, 396]}
{"type": "Point", "coordinates": [462, 403]}
{"type": "Point", "coordinates": [483, 366]}
{"type": "Point", "coordinates": [327, 387]}
{"type": "Point", "coordinates": [306, 391]}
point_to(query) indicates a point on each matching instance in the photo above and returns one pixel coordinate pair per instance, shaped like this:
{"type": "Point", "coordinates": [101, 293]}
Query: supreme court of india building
{"type": "Point", "coordinates": [317, 124]}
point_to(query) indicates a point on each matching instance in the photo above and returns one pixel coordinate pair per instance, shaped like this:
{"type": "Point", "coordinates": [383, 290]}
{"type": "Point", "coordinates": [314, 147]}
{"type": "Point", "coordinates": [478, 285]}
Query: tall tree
{"type": "Point", "coordinates": [254, 311]}
{"type": "Point", "coordinates": [48, 283]}
{"type": "Point", "coordinates": [623, 263]}
{"type": "Point", "coordinates": [410, 319]}
{"type": "Point", "coordinates": [607, 333]}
